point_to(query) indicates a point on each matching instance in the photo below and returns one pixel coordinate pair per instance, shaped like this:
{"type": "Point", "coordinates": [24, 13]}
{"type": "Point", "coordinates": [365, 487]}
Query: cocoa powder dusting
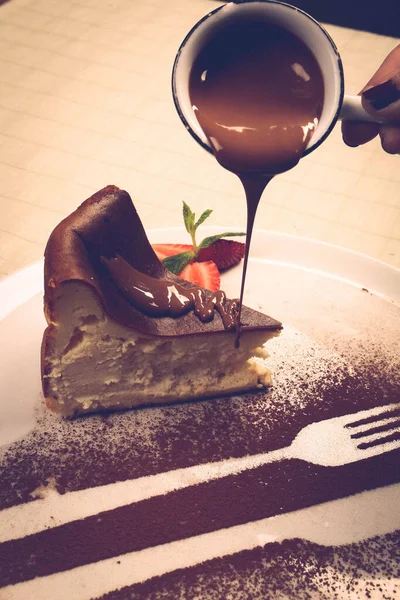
{"type": "Point", "coordinates": [293, 570]}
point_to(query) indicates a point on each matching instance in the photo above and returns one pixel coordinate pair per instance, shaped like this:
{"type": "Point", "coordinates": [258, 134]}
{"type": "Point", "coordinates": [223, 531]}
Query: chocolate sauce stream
{"type": "Point", "coordinates": [166, 298]}
{"type": "Point", "coordinates": [253, 188]}
{"type": "Point", "coordinates": [257, 92]}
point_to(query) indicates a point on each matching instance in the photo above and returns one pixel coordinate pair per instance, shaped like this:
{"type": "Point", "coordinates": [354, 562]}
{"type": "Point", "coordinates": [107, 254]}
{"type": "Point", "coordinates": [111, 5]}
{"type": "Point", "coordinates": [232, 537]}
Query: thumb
{"type": "Point", "coordinates": [381, 95]}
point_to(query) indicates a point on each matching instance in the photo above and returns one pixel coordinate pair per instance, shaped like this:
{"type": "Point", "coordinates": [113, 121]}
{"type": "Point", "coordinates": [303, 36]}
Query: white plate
{"type": "Point", "coordinates": [270, 246]}
{"type": "Point", "coordinates": [316, 290]}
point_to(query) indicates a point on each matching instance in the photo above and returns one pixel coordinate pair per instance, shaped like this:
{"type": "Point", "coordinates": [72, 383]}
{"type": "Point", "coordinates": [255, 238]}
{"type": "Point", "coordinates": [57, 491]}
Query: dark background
{"type": "Point", "coordinates": [377, 16]}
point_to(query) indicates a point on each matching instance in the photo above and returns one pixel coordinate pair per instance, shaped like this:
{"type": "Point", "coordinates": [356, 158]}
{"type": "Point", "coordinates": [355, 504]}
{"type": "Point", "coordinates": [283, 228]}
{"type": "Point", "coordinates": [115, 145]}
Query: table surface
{"type": "Point", "coordinates": [85, 101]}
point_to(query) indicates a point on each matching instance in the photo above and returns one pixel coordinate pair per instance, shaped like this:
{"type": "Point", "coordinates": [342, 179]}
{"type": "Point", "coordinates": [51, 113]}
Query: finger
{"type": "Point", "coordinates": [390, 139]}
{"type": "Point", "coordinates": [389, 68]}
{"type": "Point", "coordinates": [383, 101]}
{"type": "Point", "coordinates": [381, 98]}
{"type": "Point", "coordinates": [356, 133]}
{"type": "Point", "coordinates": [381, 95]}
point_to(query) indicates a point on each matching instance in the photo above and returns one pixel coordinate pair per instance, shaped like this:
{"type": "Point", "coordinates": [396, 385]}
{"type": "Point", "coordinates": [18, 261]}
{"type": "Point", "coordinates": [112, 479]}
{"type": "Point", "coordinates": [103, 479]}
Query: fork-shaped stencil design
{"type": "Point", "coordinates": [343, 440]}
{"type": "Point", "coordinates": [332, 442]}
{"type": "Point", "coordinates": [329, 443]}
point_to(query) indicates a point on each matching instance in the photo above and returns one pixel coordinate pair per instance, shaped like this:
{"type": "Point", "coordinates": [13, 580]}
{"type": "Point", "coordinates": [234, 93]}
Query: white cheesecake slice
{"type": "Point", "coordinates": [100, 353]}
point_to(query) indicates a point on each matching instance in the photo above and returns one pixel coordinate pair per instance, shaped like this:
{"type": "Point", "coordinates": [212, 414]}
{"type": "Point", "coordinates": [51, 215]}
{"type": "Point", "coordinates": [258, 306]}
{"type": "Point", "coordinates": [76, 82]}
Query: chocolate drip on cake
{"type": "Point", "coordinates": [105, 225]}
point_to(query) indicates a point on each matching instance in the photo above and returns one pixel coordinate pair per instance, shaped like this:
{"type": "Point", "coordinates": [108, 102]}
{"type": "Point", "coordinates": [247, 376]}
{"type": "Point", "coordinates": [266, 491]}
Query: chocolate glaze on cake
{"type": "Point", "coordinates": [162, 298]}
{"type": "Point", "coordinates": [107, 225]}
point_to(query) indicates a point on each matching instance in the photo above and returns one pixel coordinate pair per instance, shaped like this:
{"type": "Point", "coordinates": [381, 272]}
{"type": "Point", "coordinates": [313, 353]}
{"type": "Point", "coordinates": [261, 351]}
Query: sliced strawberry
{"type": "Point", "coordinates": [165, 250]}
{"type": "Point", "coordinates": [204, 274]}
{"type": "Point", "coordinates": [225, 253]}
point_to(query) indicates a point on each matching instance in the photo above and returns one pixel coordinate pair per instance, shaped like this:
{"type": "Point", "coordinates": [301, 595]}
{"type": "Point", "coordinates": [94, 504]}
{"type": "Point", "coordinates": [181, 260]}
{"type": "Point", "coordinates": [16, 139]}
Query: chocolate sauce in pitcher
{"type": "Point", "coordinates": [257, 92]}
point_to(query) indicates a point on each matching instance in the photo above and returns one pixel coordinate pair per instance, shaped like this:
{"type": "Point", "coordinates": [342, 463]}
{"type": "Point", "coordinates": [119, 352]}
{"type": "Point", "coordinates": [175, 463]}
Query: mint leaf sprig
{"type": "Point", "coordinates": [178, 262]}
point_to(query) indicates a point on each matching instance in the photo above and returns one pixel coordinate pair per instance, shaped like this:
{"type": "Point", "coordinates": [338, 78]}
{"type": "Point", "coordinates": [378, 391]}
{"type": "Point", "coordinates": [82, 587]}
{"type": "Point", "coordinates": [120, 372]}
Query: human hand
{"type": "Point", "coordinates": [380, 98]}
